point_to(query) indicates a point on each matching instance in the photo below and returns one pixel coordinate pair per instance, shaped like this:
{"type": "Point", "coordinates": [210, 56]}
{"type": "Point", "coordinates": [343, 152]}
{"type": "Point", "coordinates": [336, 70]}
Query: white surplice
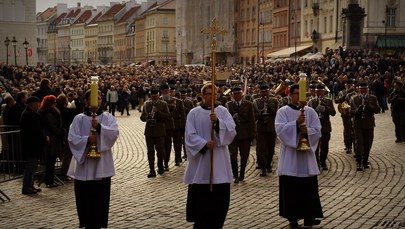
{"type": "Point", "coordinates": [291, 162]}
{"type": "Point", "coordinates": [197, 134]}
{"type": "Point", "coordinates": [81, 167]}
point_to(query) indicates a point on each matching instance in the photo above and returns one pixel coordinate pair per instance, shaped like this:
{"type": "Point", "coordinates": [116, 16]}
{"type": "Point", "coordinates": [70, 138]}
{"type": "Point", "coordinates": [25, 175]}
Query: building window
{"type": "Point", "coordinates": [391, 17]}
{"type": "Point", "coordinates": [165, 21]}
{"type": "Point", "coordinates": [330, 23]}
{"type": "Point", "coordinates": [253, 36]}
{"type": "Point", "coordinates": [325, 23]}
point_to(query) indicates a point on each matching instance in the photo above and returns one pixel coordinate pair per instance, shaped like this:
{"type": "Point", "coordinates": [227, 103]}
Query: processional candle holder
{"type": "Point", "coordinates": [303, 144]}
{"type": "Point", "coordinates": [93, 153]}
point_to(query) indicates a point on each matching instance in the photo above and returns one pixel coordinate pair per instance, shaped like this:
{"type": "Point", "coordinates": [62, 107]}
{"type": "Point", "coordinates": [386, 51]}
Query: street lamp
{"type": "Point", "coordinates": [7, 43]}
{"type": "Point", "coordinates": [262, 23]}
{"type": "Point", "coordinates": [181, 50]}
{"type": "Point", "coordinates": [14, 44]}
{"type": "Point", "coordinates": [25, 44]}
{"type": "Point", "coordinates": [295, 38]}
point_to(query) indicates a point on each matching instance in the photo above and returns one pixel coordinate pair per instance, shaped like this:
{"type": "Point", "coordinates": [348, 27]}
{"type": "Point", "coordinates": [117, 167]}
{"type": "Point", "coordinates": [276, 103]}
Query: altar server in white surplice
{"type": "Point", "coordinates": [298, 171]}
{"type": "Point", "coordinates": [92, 176]}
{"type": "Point", "coordinates": [205, 208]}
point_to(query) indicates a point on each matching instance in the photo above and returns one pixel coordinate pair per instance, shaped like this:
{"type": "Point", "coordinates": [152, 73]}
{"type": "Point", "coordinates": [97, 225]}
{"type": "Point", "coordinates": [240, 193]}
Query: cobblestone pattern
{"type": "Point", "coordinates": [350, 199]}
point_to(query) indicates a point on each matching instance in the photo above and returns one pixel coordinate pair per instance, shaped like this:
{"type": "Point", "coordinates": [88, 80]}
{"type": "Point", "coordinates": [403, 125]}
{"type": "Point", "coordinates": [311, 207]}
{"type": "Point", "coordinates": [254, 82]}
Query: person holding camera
{"type": "Point", "coordinates": [155, 112]}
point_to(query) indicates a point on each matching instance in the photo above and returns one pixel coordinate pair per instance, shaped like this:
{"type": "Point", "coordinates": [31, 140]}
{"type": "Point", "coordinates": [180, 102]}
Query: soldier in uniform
{"type": "Point", "coordinates": [155, 113]}
{"type": "Point", "coordinates": [243, 115]}
{"type": "Point", "coordinates": [324, 107]}
{"type": "Point", "coordinates": [343, 100]}
{"type": "Point", "coordinates": [188, 105]}
{"type": "Point", "coordinates": [179, 119]}
{"type": "Point", "coordinates": [169, 123]}
{"type": "Point", "coordinates": [363, 107]}
{"type": "Point", "coordinates": [397, 100]}
{"type": "Point", "coordinates": [265, 109]}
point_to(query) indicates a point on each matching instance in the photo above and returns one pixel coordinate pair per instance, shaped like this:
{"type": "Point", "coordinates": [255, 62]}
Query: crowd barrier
{"type": "Point", "coordinates": [11, 159]}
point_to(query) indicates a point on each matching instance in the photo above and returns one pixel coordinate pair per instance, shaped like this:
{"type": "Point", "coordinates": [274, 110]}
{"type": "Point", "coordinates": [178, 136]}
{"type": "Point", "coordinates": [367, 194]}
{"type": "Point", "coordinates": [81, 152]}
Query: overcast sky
{"type": "Point", "coordinates": [45, 4]}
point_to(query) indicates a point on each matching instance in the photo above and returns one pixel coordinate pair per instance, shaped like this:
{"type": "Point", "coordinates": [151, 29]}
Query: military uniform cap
{"type": "Point", "coordinates": [363, 85]}
{"type": "Point", "coordinates": [320, 87]}
{"type": "Point", "coordinates": [236, 89]}
{"type": "Point", "coordinates": [264, 87]}
{"type": "Point", "coordinates": [154, 91]}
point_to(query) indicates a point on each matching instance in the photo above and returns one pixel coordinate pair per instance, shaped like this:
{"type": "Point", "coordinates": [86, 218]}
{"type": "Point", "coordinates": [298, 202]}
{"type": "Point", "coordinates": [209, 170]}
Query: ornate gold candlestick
{"type": "Point", "coordinates": [93, 153]}
{"type": "Point", "coordinates": [303, 144]}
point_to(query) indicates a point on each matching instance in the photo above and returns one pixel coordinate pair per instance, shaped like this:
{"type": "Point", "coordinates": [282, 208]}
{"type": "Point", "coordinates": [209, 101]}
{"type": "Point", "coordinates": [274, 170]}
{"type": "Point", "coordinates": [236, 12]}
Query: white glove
{"type": "Point", "coordinates": [320, 108]}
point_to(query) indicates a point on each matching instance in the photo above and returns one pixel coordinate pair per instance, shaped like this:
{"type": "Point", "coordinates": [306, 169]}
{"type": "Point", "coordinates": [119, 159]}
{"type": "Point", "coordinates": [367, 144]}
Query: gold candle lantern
{"type": "Point", "coordinates": [93, 153]}
{"type": "Point", "coordinates": [94, 91]}
{"type": "Point", "coordinates": [303, 144]}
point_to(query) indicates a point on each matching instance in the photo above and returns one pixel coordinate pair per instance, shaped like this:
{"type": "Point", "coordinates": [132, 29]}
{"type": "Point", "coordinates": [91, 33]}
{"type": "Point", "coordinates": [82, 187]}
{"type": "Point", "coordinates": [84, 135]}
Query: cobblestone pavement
{"type": "Point", "coordinates": [374, 198]}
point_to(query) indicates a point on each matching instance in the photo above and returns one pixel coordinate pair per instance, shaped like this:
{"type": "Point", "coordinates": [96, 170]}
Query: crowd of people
{"type": "Point", "coordinates": [259, 103]}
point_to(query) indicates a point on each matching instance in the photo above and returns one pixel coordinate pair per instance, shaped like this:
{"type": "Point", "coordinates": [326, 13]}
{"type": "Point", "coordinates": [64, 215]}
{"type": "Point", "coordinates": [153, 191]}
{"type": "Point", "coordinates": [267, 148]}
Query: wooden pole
{"type": "Point", "coordinates": [213, 31]}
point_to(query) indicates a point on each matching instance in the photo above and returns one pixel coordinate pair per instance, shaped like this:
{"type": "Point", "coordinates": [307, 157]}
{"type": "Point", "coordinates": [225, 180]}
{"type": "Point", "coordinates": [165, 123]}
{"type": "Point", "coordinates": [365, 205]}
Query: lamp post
{"type": "Point", "coordinates": [262, 24]}
{"type": "Point", "coordinates": [181, 50]}
{"type": "Point", "coordinates": [295, 38]}
{"type": "Point", "coordinates": [14, 44]}
{"type": "Point", "coordinates": [7, 43]}
{"type": "Point", "coordinates": [25, 44]}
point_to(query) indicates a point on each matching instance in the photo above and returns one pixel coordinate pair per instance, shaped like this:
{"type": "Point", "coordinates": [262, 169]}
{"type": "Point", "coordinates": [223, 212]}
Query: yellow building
{"type": "Point", "coordinates": [105, 39]}
{"type": "Point", "coordinates": [90, 40]}
{"type": "Point", "coordinates": [159, 34]}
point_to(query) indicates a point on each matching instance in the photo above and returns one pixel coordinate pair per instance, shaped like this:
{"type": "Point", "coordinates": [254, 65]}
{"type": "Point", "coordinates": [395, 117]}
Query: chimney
{"type": "Point", "coordinates": [78, 5]}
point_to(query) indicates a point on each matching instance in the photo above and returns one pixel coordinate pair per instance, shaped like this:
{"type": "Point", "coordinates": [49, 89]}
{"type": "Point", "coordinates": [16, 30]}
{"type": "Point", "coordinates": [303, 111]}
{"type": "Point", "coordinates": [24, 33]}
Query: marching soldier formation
{"type": "Point", "coordinates": [254, 110]}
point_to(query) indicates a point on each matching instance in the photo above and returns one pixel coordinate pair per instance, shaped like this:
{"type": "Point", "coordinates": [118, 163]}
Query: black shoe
{"type": "Point", "coordinates": [366, 165]}
{"type": "Point", "coordinates": [166, 168]}
{"type": "Point", "coordinates": [36, 189]}
{"type": "Point", "coordinates": [264, 173]}
{"type": "Point", "coordinates": [293, 223]}
{"type": "Point", "coordinates": [311, 222]}
{"type": "Point", "coordinates": [52, 185]}
{"type": "Point", "coordinates": [177, 164]}
{"type": "Point", "coordinates": [151, 174]}
{"type": "Point", "coordinates": [161, 171]}
{"type": "Point", "coordinates": [29, 191]}
{"type": "Point", "coordinates": [359, 167]}
{"type": "Point", "coordinates": [324, 167]}
{"type": "Point", "coordinates": [398, 140]}
{"type": "Point", "coordinates": [241, 177]}
{"type": "Point", "coordinates": [236, 180]}
{"type": "Point", "coordinates": [269, 170]}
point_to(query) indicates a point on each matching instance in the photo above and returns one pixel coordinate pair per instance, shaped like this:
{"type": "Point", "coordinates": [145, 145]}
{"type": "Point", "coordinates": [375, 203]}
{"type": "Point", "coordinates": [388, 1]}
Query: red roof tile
{"type": "Point", "coordinates": [111, 12]}
{"type": "Point", "coordinates": [84, 17]}
{"type": "Point", "coordinates": [128, 14]}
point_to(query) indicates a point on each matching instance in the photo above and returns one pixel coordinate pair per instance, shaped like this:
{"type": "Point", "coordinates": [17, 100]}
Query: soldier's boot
{"type": "Point", "coordinates": [234, 165]}
{"type": "Point", "coordinates": [359, 163]}
{"type": "Point", "coordinates": [242, 172]}
{"type": "Point", "coordinates": [268, 167]}
{"type": "Point", "coordinates": [263, 169]}
{"type": "Point", "coordinates": [161, 169]}
{"type": "Point", "coordinates": [152, 172]}
{"type": "Point", "coordinates": [365, 162]}
{"type": "Point", "coordinates": [349, 149]}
